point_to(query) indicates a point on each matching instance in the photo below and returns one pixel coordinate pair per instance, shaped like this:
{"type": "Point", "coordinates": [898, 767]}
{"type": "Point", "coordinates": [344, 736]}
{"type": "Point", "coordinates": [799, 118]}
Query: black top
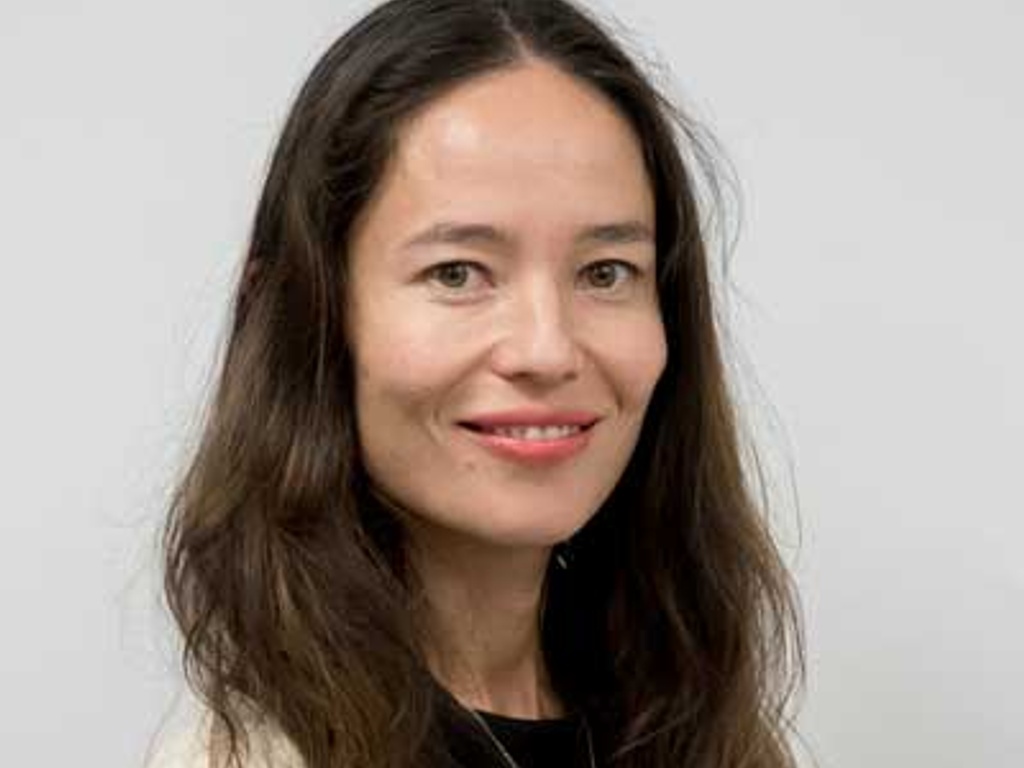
{"type": "Point", "coordinates": [550, 743]}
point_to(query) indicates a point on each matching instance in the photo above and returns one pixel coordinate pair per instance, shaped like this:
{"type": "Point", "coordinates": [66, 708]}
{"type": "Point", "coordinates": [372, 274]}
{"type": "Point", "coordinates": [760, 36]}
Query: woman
{"type": "Point", "coordinates": [470, 490]}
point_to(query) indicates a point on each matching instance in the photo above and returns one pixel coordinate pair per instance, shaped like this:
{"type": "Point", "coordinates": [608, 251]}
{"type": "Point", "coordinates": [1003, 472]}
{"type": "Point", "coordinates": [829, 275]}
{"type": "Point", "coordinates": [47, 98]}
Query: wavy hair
{"type": "Point", "coordinates": [676, 628]}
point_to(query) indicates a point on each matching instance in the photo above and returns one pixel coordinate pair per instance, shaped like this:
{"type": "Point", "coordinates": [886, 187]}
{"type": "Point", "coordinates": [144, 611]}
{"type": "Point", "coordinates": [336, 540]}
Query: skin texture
{"type": "Point", "coordinates": [526, 320]}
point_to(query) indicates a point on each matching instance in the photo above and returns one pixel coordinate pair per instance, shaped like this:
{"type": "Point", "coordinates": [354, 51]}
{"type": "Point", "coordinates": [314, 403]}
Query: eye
{"type": "Point", "coordinates": [452, 274]}
{"type": "Point", "coordinates": [603, 273]}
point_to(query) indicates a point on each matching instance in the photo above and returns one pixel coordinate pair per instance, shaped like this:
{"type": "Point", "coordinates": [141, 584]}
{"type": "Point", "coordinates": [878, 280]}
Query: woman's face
{"type": "Point", "coordinates": [506, 263]}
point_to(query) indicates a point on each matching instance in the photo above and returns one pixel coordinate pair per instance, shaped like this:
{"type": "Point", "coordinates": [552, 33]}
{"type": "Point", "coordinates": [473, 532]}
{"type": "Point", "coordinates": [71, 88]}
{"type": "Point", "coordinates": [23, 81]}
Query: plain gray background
{"type": "Point", "coordinates": [878, 302]}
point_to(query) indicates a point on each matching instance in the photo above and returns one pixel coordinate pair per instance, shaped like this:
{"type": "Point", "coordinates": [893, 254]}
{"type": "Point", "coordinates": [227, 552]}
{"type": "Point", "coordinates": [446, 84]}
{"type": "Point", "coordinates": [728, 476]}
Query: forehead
{"type": "Point", "coordinates": [527, 142]}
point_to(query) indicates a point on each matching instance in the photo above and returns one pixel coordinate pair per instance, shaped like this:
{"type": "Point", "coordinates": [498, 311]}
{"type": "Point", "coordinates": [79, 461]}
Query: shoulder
{"type": "Point", "coordinates": [196, 744]}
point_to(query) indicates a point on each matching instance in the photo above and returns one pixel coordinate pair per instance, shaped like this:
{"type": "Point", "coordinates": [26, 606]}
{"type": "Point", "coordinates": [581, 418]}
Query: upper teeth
{"type": "Point", "coordinates": [534, 433]}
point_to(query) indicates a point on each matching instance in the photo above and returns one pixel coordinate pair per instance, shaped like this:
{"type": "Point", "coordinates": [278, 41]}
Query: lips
{"type": "Point", "coordinates": [530, 417]}
{"type": "Point", "coordinates": [522, 431]}
{"type": "Point", "coordinates": [525, 435]}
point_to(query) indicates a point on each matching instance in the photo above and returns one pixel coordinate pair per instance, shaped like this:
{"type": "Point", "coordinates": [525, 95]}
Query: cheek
{"type": "Point", "coordinates": [393, 384]}
{"type": "Point", "coordinates": [408, 356]}
{"type": "Point", "coordinates": [392, 411]}
{"type": "Point", "coordinates": [636, 352]}
{"type": "Point", "coordinates": [405, 363]}
{"type": "Point", "coordinates": [655, 358]}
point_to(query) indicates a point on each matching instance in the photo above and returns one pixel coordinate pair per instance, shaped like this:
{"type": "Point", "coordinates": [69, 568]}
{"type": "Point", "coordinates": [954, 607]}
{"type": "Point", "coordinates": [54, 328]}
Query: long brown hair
{"type": "Point", "coordinates": [675, 628]}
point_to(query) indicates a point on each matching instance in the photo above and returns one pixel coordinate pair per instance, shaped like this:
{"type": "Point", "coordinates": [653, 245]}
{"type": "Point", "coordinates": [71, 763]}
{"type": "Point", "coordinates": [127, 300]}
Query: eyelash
{"type": "Point", "coordinates": [434, 271]}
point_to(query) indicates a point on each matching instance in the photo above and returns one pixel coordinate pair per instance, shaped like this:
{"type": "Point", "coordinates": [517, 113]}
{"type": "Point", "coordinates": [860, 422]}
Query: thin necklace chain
{"type": "Point", "coordinates": [504, 752]}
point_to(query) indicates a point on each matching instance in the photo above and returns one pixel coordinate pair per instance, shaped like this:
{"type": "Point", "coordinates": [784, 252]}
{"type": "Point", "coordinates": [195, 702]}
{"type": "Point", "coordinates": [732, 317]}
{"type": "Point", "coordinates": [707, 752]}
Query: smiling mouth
{"type": "Point", "coordinates": [530, 432]}
{"type": "Point", "coordinates": [531, 444]}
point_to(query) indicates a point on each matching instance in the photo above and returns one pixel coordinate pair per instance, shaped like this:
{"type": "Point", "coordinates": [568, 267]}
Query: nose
{"type": "Point", "coordinates": [537, 340]}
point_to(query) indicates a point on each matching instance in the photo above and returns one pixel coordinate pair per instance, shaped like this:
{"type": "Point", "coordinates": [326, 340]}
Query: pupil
{"type": "Point", "coordinates": [604, 274]}
{"type": "Point", "coordinates": [453, 275]}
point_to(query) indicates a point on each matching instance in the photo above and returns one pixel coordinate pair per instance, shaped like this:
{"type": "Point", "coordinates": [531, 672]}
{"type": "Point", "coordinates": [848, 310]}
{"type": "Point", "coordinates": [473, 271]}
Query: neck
{"type": "Point", "coordinates": [482, 623]}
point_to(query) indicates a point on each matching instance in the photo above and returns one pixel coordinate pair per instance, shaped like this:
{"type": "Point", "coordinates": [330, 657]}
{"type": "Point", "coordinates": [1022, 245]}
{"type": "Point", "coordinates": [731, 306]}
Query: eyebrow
{"type": "Point", "coordinates": [454, 233]}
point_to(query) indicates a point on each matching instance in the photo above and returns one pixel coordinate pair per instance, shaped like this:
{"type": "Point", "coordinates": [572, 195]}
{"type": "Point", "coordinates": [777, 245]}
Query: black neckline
{"type": "Point", "coordinates": [507, 723]}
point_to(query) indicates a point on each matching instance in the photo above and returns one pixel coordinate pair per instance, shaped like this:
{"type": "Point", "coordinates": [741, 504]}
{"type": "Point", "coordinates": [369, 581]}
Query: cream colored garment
{"type": "Point", "coordinates": [190, 746]}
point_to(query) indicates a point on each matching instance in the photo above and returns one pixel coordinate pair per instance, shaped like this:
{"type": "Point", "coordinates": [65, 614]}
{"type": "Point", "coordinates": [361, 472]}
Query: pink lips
{"type": "Point", "coordinates": [532, 451]}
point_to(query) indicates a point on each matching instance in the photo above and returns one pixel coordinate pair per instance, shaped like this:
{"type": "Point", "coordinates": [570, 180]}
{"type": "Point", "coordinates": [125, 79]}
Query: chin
{"type": "Point", "coordinates": [537, 536]}
{"type": "Point", "coordinates": [521, 523]}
